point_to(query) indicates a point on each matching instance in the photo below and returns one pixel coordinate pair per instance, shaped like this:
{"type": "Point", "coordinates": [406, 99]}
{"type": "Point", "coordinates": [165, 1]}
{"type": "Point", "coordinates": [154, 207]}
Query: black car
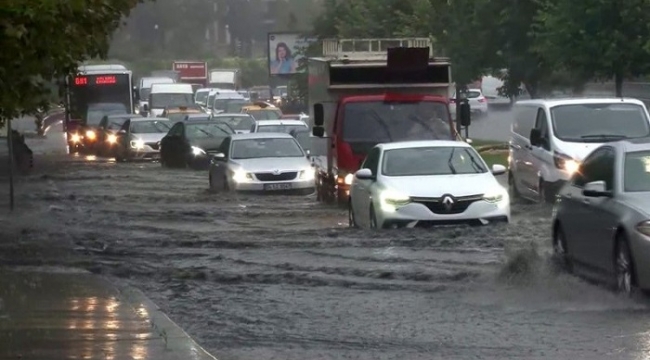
{"type": "Point", "coordinates": [190, 144]}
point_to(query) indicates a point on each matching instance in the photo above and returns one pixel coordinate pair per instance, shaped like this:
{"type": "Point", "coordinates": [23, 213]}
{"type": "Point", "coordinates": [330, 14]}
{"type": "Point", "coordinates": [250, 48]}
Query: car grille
{"type": "Point", "coordinates": [154, 145]}
{"type": "Point", "coordinates": [458, 205]}
{"type": "Point", "coordinates": [276, 177]}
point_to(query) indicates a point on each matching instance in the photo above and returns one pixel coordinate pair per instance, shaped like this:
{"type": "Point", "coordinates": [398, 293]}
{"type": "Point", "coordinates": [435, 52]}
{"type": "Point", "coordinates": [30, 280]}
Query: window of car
{"type": "Point", "coordinates": [372, 160]}
{"type": "Point", "coordinates": [599, 166]}
{"type": "Point", "coordinates": [432, 160]}
{"type": "Point", "coordinates": [636, 171]}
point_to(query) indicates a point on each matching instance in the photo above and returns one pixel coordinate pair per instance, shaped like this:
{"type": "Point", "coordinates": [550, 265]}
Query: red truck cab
{"type": "Point", "coordinates": [394, 90]}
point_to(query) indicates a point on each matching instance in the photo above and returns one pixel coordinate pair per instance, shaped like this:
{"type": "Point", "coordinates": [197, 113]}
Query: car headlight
{"type": "Point", "coordinates": [566, 163]}
{"type": "Point", "coordinates": [242, 176]}
{"type": "Point", "coordinates": [91, 135]}
{"type": "Point", "coordinates": [75, 138]}
{"type": "Point", "coordinates": [137, 144]}
{"type": "Point", "coordinates": [496, 195]}
{"type": "Point", "coordinates": [394, 198]}
{"type": "Point", "coordinates": [307, 174]}
{"type": "Point", "coordinates": [348, 179]}
{"type": "Point", "coordinates": [197, 151]}
{"type": "Point", "coordinates": [644, 227]}
{"type": "Point", "coordinates": [137, 110]}
{"type": "Point", "coordinates": [111, 138]}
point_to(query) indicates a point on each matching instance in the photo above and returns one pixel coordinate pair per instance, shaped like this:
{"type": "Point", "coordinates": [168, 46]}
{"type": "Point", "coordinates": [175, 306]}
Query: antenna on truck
{"type": "Point", "coordinates": [352, 48]}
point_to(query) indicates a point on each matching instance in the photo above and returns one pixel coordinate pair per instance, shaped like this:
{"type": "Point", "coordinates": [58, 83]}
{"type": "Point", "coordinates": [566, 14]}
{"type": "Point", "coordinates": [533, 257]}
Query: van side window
{"type": "Point", "coordinates": [524, 120]}
{"type": "Point", "coordinates": [542, 124]}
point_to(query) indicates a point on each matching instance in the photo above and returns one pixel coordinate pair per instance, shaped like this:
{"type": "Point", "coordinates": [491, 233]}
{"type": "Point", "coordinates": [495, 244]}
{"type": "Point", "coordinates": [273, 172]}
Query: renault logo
{"type": "Point", "coordinates": [276, 172]}
{"type": "Point", "coordinates": [448, 202]}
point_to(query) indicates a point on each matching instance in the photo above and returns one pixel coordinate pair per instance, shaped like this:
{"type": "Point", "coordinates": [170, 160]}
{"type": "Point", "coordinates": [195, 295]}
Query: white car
{"type": "Point", "coordinates": [268, 162]}
{"type": "Point", "coordinates": [477, 102]}
{"type": "Point", "coordinates": [281, 125]}
{"type": "Point", "coordinates": [424, 183]}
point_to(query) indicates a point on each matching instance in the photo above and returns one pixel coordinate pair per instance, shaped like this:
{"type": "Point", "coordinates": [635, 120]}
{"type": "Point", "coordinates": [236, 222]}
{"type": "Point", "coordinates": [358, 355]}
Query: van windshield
{"type": "Point", "coordinates": [162, 100]}
{"type": "Point", "coordinates": [599, 122]}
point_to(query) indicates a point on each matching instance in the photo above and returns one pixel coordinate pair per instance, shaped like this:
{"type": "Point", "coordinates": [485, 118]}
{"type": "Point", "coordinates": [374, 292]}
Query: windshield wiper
{"type": "Point", "coordinates": [603, 136]}
{"type": "Point", "coordinates": [451, 166]}
{"type": "Point", "coordinates": [475, 163]}
{"type": "Point", "coordinates": [205, 132]}
{"type": "Point", "coordinates": [381, 122]}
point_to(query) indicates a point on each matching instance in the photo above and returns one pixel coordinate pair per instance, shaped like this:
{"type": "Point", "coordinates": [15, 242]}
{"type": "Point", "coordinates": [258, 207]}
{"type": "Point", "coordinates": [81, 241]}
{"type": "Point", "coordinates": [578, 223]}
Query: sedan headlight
{"type": "Point", "coordinates": [111, 138]}
{"type": "Point", "coordinates": [198, 151]}
{"type": "Point", "coordinates": [137, 144]}
{"type": "Point", "coordinates": [644, 227]}
{"type": "Point", "coordinates": [241, 176]}
{"type": "Point", "coordinates": [394, 198]}
{"type": "Point", "coordinates": [91, 135]}
{"type": "Point", "coordinates": [307, 174]}
{"type": "Point", "coordinates": [495, 196]}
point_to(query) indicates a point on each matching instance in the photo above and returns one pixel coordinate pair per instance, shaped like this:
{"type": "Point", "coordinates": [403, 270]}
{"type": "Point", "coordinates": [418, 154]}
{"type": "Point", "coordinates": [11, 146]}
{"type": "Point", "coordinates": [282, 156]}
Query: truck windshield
{"type": "Point", "coordinates": [378, 121]}
{"type": "Point", "coordinates": [162, 100]}
{"type": "Point", "coordinates": [599, 122]}
{"type": "Point", "coordinates": [144, 93]}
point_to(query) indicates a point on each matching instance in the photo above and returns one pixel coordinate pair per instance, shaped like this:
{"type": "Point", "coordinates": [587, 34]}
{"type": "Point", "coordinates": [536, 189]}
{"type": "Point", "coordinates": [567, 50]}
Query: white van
{"type": "Point", "coordinates": [201, 96]}
{"type": "Point", "coordinates": [549, 139]}
{"type": "Point", "coordinates": [145, 88]}
{"type": "Point", "coordinates": [169, 95]}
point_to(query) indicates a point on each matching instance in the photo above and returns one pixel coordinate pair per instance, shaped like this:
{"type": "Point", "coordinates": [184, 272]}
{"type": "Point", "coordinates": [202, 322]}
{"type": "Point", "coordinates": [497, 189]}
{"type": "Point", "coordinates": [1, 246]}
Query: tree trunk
{"type": "Point", "coordinates": [618, 79]}
{"type": "Point", "coordinates": [532, 90]}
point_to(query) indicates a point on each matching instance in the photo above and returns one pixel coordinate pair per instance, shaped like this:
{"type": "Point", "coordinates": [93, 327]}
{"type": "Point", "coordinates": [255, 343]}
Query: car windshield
{"type": "Point", "coordinates": [97, 111]}
{"type": "Point", "coordinates": [160, 101]}
{"type": "Point", "coordinates": [281, 128]}
{"type": "Point", "coordinates": [236, 122]}
{"type": "Point", "coordinates": [222, 104]}
{"type": "Point", "coordinates": [206, 130]}
{"type": "Point", "coordinates": [265, 114]}
{"type": "Point", "coordinates": [471, 94]}
{"type": "Point", "coordinates": [423, 161]}
{"type": "Point", "coordinates": [202, 97]}
{"type": "Point", "coordinates": [150, 127]}
{"type": "Point", "coordinates": [210, 100]}
{"type": "Point", "coordinates": [234, 106]}
{"type": "Point", "coordinates": [636, 175]}
{"type": "Point", "coordinates": [115, 123]}
{"type": "Point", "coordinates": [599, 122]}
{"type": "Point", "coordinates": [264, 148]}
{"type": "Point", "coordinates": [367, 124]}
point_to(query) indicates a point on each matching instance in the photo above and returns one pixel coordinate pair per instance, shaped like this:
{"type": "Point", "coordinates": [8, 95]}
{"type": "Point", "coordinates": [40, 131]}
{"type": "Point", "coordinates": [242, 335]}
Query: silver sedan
{"type": "Point", "coordinates": [267, 162]}
{"type": "Point", "coordinates": [601, 218]}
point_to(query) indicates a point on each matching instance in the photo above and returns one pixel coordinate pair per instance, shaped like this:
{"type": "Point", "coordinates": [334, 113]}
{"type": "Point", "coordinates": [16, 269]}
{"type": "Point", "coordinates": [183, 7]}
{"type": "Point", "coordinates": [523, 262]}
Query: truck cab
{"type": "Point", "coordinates": [363, 92]}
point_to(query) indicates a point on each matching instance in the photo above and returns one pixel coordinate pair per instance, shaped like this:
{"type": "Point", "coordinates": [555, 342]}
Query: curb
{"type": "Point", "coordinates": [174, 336]}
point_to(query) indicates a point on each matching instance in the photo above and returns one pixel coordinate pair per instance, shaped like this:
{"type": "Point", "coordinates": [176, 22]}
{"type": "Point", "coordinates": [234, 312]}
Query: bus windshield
{"type": "Point", "coordinates": [376, 122]}
{"type": "Point", "coordinates": [163, 100]}
{"type": "Point", "coordinates": [97, 111]}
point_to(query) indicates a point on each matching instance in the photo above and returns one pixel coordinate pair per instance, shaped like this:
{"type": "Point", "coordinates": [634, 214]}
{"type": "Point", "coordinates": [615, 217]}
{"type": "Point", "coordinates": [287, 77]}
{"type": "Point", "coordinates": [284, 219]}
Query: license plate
{"type": "Point", "coordinates": [284, 186]}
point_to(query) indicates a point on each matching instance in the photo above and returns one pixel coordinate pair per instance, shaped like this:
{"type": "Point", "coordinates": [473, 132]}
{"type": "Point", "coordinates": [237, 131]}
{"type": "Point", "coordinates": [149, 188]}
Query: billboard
{"type": "Point", "coordinates": [285, 52]}
{"type": "Point", "coordinates": [189, 70]}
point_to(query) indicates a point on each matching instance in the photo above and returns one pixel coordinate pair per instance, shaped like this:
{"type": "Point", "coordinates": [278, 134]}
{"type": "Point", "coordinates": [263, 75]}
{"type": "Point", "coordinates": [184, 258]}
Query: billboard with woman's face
{"type": "Point", "coordinates": [284, 52]}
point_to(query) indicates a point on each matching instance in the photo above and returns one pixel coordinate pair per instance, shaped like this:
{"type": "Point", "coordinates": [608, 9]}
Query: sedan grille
{"type": "Point", "coordinates": [276, 177]}
{"type": "Point", "coordinates": [154, 145]}
{"type": "Point", "coordinates": [448, 204]}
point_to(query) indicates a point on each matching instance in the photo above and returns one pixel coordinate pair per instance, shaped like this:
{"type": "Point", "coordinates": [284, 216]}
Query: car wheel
{"type": "Point", "coordinates": [211, 186]}
{"type": "Point", "coordinates": [352, 222]}
{"type": "Point", "coordinates": [373, 218]}
{"type": "Point", "coordinates": [560, 253]}
{"type": "Point", "coordinates": [624, 267]}
{"type": "Point", "coordinates": [545, 194]}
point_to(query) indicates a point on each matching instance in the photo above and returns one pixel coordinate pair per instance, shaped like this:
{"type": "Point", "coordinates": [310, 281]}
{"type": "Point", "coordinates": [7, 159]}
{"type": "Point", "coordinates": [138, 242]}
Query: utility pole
{"type": "Point", "coordinates": [10, 144]}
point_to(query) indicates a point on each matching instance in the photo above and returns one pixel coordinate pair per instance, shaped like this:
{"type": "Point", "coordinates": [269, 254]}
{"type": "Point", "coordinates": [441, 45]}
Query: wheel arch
{"type": "Point", "coordinates": [621, 235]}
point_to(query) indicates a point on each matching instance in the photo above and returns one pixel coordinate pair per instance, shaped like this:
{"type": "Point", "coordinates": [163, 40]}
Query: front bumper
{"type": "Point", "coordinates": [291, 186]}
{"type": "Point", "coordinates": [144, 154]}
{"type": "Point", "coordinates": [416, 214]}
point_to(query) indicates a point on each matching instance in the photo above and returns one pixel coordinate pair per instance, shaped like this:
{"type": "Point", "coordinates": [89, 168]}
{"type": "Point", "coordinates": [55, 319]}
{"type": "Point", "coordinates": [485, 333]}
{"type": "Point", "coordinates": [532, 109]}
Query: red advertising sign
{"type": "Point", "coordinates": [191, 69]}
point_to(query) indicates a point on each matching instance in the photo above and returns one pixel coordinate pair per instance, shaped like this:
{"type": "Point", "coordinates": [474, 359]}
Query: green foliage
{"type": "Point", "coordinates": [597, 38]}
{"type": "Point", "coordinates": [42, 40]}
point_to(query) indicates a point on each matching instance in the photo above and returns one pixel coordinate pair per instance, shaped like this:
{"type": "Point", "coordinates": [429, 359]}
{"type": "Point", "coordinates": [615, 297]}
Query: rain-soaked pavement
{"type": "Point", "coordinates": [276, 277]}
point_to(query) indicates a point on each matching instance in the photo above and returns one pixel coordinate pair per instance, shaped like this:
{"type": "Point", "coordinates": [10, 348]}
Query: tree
{"type": "Point", "coordinates": [44, 40]}
{"type": "Point", "coordinates": [599, 39]}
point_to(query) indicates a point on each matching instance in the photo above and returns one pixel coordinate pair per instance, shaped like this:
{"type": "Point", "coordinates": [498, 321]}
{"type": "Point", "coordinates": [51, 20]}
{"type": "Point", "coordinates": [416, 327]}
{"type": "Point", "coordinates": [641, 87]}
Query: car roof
{"type": "Point", "coordinates": [578, 101]}
{"type": "Point", "coordinates": [423, 143]}
{"type": "Point", "coordinates": [149, 119]}
{"type": "Point", "coordinates": [280, 122]}
{"type": "Point", "coordinates": [261, 136]}
{"type": "Point", "coordinates": [232, 115]}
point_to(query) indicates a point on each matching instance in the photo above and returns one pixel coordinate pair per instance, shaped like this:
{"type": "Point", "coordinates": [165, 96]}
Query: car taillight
{"type": "Point", "coordinates": [482, 100]}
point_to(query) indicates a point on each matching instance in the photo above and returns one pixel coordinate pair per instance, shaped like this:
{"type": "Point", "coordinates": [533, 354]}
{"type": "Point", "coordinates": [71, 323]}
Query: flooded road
{"type": "Point", "coordinates": [278, 277]}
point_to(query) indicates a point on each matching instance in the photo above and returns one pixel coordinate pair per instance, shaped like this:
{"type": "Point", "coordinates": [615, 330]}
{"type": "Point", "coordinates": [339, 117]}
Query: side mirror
{"type": "Point", "coordinates": [318, 131]}
{"type": "Point", "coordinates": [469, 141]}
{"type": "Point", "coordinates": [319, 115]}
{"type": "Point", "coordinates": [596, 189]}
{"type": "Point", "coordinates": [145, 107]}
{"type": "Point", "coordinates": [535, 137]}
{"type": "Point", "coordinates": [219, 157]}
{"type": "Point", "coordinates": [465, 114]}
{"type": "Point", "coordinates": [308, 153]}
{"type": "Point", "coordinates": [364, 174]}
{"type": "Point", "coordinates": [498, 169]}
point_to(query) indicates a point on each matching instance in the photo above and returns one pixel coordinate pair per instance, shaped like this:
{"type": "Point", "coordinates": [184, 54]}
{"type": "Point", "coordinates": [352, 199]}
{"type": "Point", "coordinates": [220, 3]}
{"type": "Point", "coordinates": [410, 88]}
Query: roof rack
{"type": "Point", "coordinates": [372, 47]}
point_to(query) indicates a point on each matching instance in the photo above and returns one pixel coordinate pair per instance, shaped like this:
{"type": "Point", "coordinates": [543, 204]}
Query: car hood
{"type": "Point", "coordinates": [209, 144]}
{"type": "Point", "coordinates": [149, 138]}
{"type": "Point", "coordinates": [438, 185]}
{"type": "Point", "coordinates": [272, 164]}
{"type": "Point", "coordinates": [576, 150]}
